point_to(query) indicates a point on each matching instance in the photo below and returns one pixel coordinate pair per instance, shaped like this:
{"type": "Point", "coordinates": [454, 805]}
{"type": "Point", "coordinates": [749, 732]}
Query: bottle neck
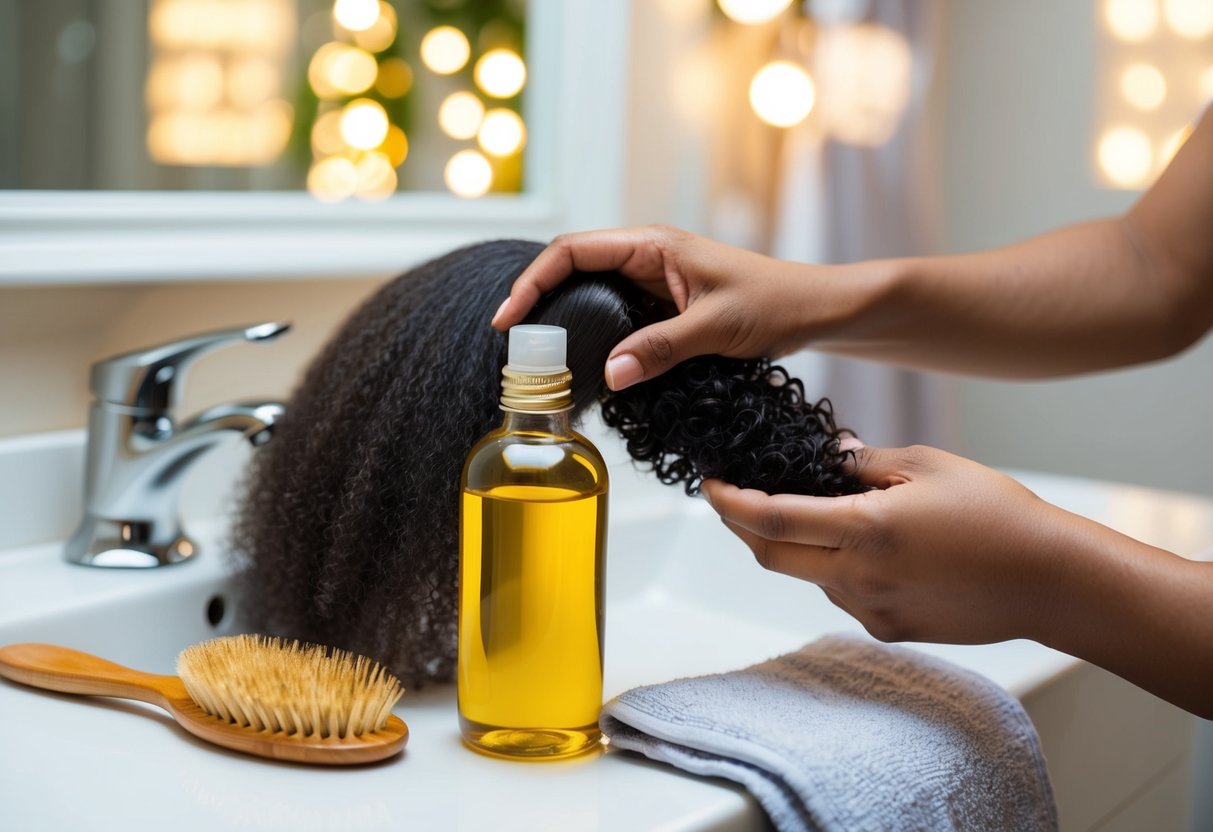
{"type": "Point", "coordinates": [537, 392]}
{"type": "Point", "coordinates": [555, 423]}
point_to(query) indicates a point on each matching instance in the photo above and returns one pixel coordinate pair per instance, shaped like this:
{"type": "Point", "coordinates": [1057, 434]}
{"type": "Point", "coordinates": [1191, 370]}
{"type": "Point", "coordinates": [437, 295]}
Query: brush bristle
{"type": "Point", "coordinates": [285, 686]}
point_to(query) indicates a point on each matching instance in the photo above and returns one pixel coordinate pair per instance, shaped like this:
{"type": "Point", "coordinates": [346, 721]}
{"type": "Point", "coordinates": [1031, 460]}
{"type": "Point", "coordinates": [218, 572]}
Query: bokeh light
{"type": "Point", "coordinates": [502, 132]}
{"type": "Point", "coordinates": [326, 134]}
{"type": "Point", "coordinates": [1192, 19]}
{"type": "Point", "coordinates": [782, 93]}
{"type": "Point", "coordinates": [468, 174]}
{"type": "Point", "coordinates": [752, 12]}
{"type": "Point", "coordinates": [460, 114]}
{"type": "Point", "coordinates": [267, 132]}
{"type": "Point", "coordinates": [500, 73]}
{"type": "Point", "coordinates": [864, 73]}
{"type": "Point", "coordinates": [221, 136]}
{"type": "Point", "coordinates": [267, 26]}
{"type": "Point", "coordinates": [381, 34]}
{"type": "Point", "coordinates": [356, 15]}
{"type": "Point", "coordinates": [445, 50]}
{"type": "Point", "coordinates": [1125, 156]}
{"type": "Point", "coordinates": [332, 179]}
{"type": "Point", "coordinates": [395, 146]}
{"type": "Point", "coordinates": [352, 71]}
{"type": "Point", "coordinates": [251, 81]}
{"type": "Point", "coordinates": [395, 78]}
{"type": "Point", "coordinates": [375, 177]}
{"type": "Point", "coordinates": [191, 82]}
{"type": "Point", "coordinates": [338, 70]}
{"type": "Point", "coordinates": [364, 124]}
{"type": "Point", "coordinates": [1131, 20]}
{"type": "Point", "coordinates": [1143, 86]}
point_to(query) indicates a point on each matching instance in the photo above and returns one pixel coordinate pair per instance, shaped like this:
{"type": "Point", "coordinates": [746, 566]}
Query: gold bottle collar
{"type": "Point", "coordinates": [523, 392]}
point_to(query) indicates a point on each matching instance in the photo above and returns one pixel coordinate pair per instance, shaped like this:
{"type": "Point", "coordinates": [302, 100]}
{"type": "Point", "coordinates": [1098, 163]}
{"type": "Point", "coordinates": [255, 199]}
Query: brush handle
{"type": "Point", "coordinates": [71, 671]}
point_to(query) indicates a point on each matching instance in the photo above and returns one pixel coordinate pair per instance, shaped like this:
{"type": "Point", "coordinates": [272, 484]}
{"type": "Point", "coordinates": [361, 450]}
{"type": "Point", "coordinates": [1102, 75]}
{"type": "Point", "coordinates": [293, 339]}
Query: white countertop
{"type": "Point", "coordinates": [684, 598]}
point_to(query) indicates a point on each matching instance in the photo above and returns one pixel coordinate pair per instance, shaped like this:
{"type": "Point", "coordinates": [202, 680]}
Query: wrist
{"type": "Point", "coordinates": [1061, 592]}
{"type": "Point", "coordinates": [1094, 583]}
{"type": "Point", "coordinates": [856, 301]}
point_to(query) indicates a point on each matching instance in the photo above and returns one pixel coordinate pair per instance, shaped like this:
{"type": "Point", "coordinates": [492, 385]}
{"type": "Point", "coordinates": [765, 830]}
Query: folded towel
{"type": "Point", "coordinates": [849, 734]}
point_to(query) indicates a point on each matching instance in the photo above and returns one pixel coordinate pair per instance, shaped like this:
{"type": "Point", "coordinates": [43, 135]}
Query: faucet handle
{"type": "Point", "coordinates": [150, 379]}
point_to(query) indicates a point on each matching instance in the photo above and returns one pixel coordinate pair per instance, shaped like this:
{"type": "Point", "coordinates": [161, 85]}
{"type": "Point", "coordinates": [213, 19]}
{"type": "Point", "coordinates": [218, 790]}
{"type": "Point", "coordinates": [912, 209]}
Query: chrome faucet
{"type": "Point", "coordinates": [138, 455]}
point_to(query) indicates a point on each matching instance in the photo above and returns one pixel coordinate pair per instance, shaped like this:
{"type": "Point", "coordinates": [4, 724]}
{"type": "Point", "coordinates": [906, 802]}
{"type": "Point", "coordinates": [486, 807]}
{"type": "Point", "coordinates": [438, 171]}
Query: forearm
{"type": "Point", "coordinates": [1093, 296]}
{"type": "Point", "coordinates": [1135, 610]}
{"type": "Point", "coordinates": [1075, 300]}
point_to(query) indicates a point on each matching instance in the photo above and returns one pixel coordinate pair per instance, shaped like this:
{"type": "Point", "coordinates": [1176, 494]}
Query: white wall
{"type": "Point", "coordinates": [1018, 86]}
{"type": "Point", "coordinates": [1017, 98]}
{"type": "Point", "coordinates": [50, 336]}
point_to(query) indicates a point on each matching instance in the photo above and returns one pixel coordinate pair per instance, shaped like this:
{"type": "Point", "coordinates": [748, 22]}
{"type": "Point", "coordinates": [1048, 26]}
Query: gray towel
{"type": "Point", "coordinates": [848, 734]}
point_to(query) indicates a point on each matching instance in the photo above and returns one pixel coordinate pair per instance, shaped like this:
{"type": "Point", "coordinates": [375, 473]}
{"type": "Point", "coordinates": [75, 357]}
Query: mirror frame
{"type": "Point", "coordinates": [575, 108]}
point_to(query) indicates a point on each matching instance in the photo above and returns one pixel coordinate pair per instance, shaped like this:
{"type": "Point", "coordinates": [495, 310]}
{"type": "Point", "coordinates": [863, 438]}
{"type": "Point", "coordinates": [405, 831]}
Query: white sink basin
{"type": "Point", "coordinates": [685, 597]}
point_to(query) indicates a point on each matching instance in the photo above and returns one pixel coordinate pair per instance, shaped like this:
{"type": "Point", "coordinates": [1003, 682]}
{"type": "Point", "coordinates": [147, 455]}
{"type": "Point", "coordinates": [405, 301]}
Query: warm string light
{"type": "Point", "coordinates": [1143, 86]}
{"type": "Point", "coordinates": [1133, 148]}
{"type": "Point", "coordinates": [855, 80]}
{"type": "Point", "coordinates": [364, 124]}
{"type": "Point", "coordinates": [381, 33]}
{"type": "Point", "coordinates": [214, 83]}
{"type": "Point", "coordinates": [338, 70]}
{"type": "Point", "coordinates": [1191, 19]}
{"type": "Point", "coordinates": [753, 12]}
{"type": "Point", "coordinates": [498, 73]}
{"type": "Point", "coordinates": [355, 146]}
{"type": "Point", "coordinates": [356, 15]}
{"type": "Point", "coordinates": [332, 179]}
{"type": "Point", "coordinates": [863, 70]}
{"type": "Point", "coordinates": [468, 174]}
{"type": "Point", "coordinates": [502, 132]}
{"type": "Point", "coordinates": [460, 115]}
{"type": "Point", "coordinates": [445, 50]}
{"type": "Point", "coordinates": [395, 78]}
{"type": "Point", "coordinates": [782, 94]}
{"type": "Point", "coordinates": [1131, 20]}
{"type": "Point", "coordinates": [1126, 156]}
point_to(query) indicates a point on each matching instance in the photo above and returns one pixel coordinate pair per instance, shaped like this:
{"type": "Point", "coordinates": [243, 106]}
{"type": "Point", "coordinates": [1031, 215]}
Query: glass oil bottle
{"type": "Point", "coordinates": [532, 564]}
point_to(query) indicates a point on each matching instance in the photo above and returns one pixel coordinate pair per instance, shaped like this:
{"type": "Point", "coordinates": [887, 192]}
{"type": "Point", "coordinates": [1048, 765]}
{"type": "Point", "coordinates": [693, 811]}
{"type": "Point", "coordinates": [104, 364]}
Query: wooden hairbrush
{"type": "Point", "coordinates": [264, 696]}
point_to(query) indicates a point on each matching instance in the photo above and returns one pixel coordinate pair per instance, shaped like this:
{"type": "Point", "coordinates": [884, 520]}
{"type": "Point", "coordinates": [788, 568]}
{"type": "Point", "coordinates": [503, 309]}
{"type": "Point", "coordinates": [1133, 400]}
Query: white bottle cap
{"type": "Point", "coordinates": [535, 348]}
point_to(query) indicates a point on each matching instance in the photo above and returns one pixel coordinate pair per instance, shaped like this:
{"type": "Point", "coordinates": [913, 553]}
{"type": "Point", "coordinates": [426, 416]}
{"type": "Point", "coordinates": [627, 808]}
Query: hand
{"type": "Point", "coordinates": [730, 301]}
{"type": "Point", "coordinates": [945, 549]}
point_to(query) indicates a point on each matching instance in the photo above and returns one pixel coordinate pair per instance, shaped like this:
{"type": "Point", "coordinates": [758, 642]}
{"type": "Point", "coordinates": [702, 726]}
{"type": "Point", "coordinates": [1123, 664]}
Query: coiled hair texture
{"type": "Point", "coordinates": [348, 528]}
{"type": "Point", "coordinates": [744, 421]}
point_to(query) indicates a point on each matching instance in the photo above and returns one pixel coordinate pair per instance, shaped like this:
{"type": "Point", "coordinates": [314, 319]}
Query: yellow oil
{"type": "Point", "coordinates": [532, 564]}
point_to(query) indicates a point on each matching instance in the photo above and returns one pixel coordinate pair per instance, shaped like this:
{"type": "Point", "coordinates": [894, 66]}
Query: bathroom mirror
{"type": "Point", "coordinates": [153, 139]}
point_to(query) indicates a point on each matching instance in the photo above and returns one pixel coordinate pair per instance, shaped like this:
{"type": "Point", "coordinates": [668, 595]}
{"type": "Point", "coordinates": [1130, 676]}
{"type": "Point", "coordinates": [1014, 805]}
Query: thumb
{"type": "Point", "coordinates": [652, 350]}
{"type": "Point", "coordinates": [886, 467]}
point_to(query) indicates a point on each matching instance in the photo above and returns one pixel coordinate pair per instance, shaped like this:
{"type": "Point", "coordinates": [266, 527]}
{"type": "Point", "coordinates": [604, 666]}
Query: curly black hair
{"type": "Point", "coordinates": [348, 531]}
{"type": "Point", "coordinates": [744, 421]}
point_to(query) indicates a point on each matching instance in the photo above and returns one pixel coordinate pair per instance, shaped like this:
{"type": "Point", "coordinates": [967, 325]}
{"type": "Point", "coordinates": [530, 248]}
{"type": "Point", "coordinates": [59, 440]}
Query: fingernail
{"type": "Point", "coordinates": [850, 443]}
{"type": "Point", "coordinates": [500, 309]}
{"type": "Point", "coordinates": [623, 371]}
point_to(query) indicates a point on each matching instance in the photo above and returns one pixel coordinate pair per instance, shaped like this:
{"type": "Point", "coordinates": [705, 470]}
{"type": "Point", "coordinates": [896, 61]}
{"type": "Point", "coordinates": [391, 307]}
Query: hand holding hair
{"type": "Point", "coordinates": [728, 301]}
{"type": "Point", "coordinates": [1096, 295]}
{"type": "Point", "coordinates": [946, 550]}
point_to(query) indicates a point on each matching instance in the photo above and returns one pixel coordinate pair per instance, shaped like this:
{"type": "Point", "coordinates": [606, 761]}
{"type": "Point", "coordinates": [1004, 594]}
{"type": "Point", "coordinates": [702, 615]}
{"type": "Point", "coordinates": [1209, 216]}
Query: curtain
{"type": "Point", "coordinates": [839, 203]}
